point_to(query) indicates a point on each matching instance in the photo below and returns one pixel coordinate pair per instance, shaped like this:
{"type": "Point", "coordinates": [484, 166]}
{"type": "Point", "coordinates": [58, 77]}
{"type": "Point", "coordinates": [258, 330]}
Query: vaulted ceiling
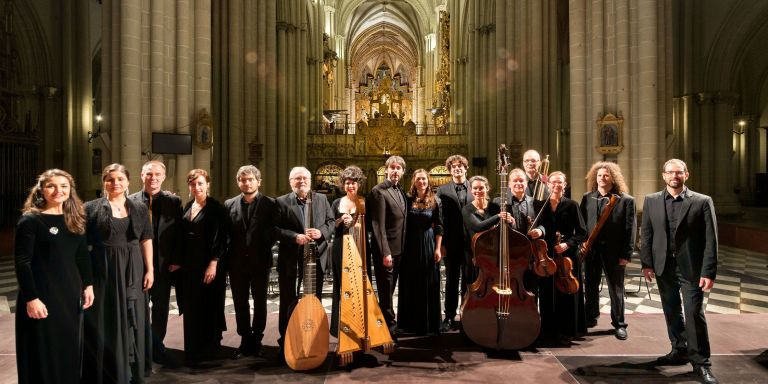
{"type": "Point", "coordinates": [387, 32]}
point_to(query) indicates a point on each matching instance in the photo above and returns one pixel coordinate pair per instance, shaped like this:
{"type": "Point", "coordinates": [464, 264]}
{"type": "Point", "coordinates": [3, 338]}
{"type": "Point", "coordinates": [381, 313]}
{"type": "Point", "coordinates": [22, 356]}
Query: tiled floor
{"type": "Point", "coordinates": [741, 287]}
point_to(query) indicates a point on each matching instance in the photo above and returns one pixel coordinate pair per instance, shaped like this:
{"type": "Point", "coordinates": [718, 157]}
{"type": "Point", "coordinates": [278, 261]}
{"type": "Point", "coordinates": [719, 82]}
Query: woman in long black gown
{"type": "Point", "coordinates": [205, 239]}
{"type": "Point", "coordinates": [118, 345]}
{"type": "Point", "coordinates": [562, 314]}
{"type": "Point", "coordinates": [345, 209]}
{"type": "Point", "coordinates": [55, 281]}
{"type": "Point", "coordinates": [418, 309]}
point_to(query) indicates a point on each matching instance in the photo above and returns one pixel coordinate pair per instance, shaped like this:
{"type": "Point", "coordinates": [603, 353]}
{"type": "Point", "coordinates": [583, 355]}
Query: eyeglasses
{"type": "Point", "coordinates": [674, 173]}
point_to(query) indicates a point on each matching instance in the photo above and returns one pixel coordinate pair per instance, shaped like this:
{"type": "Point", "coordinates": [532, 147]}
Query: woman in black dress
{"type": "Point", "coordinates": [345, 209]}
{"type": "Point", "coordinates": [205, 239]}
{"type": "Point", "coordinates": [118, 347]}
{"type": "Point", "coordinates": [482, 214]}
{"type": "Point", "coordinates": [562, 314]}
{"type": "Point", "coordinates": [418, 309]}
{"type": "Point", "coordinates": [55, 281]}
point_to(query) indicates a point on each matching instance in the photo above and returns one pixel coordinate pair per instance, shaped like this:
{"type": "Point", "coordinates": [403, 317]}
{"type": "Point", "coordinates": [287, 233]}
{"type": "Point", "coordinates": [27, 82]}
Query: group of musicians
{"type": "Point", "coordinates": [679, 246]}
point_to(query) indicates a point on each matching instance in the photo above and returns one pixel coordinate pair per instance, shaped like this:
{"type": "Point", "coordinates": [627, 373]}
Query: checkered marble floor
{"type": "Point", "coordinates": [741, 287]}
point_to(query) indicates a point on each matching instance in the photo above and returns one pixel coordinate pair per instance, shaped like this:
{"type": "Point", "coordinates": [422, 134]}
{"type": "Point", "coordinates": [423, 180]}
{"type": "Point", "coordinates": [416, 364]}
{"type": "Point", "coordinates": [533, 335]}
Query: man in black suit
{"type": "Point", "coordinates": [679, 247]}
{"type": "Point", "coordinates": [454, 196]}
{"type": "Point", "coordinates": [387, 209]}
{"type": "Point", "coordinates": [614, 245]}
{"type": "Point", "coordinates": [249, 256]}
{"type": "Point", "coordinates": [294, 233]}
{"type": "Point", "coordinates": [165, 212]}
{"type": "Point", "coordinates": [532, 166]}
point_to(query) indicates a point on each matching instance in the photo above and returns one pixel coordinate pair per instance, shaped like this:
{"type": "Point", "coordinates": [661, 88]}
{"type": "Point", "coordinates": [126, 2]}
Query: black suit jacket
{"type": "Point", "coordinates": [166, 223]}
{"type": "Point", "coordinates": [387, 217]}
{"type": "Point", "coordinates": [454, 235]}
{"type": "Point", "coordinates": [289, 225]}
{"type": "Point", "coordinates": [531, 211]}
{"type": "Point", "coordinates": [619, 232]}
{"type": "Point", "coordinates": [695, 238]}
{"type": "Point", "coordinates": [250, 244]}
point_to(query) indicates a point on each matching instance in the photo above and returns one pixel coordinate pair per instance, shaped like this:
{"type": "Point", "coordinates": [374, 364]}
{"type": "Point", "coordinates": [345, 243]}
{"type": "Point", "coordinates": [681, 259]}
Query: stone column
{"type": "Point", "coordinates": [580, 158]}
{"type": "Point", "coordinates": [643, 158]}
{"type": "Point", "coordinates": [724, 198]}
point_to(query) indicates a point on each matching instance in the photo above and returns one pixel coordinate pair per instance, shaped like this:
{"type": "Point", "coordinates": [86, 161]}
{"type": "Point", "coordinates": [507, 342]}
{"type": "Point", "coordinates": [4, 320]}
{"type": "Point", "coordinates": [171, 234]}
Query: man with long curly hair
{"type": "Point", "coordinates": [613, 247]}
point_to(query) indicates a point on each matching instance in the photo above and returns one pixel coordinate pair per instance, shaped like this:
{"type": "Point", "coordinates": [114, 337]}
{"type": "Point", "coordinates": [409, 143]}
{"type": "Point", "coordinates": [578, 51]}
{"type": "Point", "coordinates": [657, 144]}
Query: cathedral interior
{"type": "Point", "coordinates": [329, 83]}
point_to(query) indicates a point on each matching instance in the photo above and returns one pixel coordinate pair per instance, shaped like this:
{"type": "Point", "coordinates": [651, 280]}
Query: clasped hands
{"type": "Point", "coordinates": [309, 234]}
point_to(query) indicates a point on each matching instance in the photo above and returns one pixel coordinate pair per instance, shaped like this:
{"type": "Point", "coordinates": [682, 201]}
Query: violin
{"type": "Point", "coordinates": [498, 311]}
{"type": "Point", "coordinates": [565, 281]}
{"type": "Point", "coordinates": [543, 265]}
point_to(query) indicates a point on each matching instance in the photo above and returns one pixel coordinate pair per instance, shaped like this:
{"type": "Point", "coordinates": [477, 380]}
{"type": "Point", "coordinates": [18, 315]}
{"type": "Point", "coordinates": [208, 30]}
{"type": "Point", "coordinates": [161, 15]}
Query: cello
{"type": "Point", "coordinates": [307, 334]}
{"type": "Point", "coordinates": [498, 311]}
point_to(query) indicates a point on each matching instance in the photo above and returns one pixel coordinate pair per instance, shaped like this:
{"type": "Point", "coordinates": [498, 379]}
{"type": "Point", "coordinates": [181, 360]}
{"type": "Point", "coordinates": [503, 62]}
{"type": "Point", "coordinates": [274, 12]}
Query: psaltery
{"type": "Point", "coordinates": [361, 322]}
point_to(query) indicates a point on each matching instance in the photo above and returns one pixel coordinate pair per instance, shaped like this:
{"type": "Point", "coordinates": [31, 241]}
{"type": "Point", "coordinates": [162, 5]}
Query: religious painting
{"type": "Point", "coordinates": [204, 130]}
{"type": "Point", "coordinates": [608, 134]}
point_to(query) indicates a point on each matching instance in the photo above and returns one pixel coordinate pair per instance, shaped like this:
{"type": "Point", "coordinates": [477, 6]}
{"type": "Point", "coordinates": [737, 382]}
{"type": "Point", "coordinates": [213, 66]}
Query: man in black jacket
{"type": "Point", "coordinates": [165, 213]}
{"type": "Point", "coordinates": [679, 247]}
{"type": "Point", "coordinates": [387, 210]}
{"type": "Point", "coordinates": [294, 233]}
{"type": "Point", "coordinates": [453, 197]}
{"type": "Point", "coordinates": [613, 246]}
{"type": "Point", "coordinates": [249, 256]}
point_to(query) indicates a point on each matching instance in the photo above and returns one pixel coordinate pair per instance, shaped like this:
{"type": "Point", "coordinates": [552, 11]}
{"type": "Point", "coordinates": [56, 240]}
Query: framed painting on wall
{"type": "Point", "coordinates": [609, 134]}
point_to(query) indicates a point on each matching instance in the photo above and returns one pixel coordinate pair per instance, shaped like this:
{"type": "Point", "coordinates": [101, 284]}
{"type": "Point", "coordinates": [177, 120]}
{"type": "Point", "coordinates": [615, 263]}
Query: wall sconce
{"type": "Point", "coordinates": [741, 127]}
{"type": "Point", "coordinates": [97, 133]}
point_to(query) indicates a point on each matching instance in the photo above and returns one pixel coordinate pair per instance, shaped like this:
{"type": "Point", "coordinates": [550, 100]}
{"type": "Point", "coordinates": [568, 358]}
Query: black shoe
{"type": "Point", "coordinates": [255, 349]}
{"type": "Point", "coordinates": [705, 374]}
{"type": "Point", "coordinates": [674, 357]}
{"type": "Point", "coordinates": [448, 325]}
{"type": "Point", "coordinates": [621, 333]}
{"type": "Point", "coordinates": [592, 323]}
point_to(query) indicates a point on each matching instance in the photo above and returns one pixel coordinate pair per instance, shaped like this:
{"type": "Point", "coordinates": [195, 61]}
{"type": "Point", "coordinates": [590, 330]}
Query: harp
{"type": "Point", "coordinates": [361, 322]}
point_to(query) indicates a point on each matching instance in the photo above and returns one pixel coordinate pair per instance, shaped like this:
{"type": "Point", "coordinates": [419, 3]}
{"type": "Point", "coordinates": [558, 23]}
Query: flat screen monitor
{"type": "Point", "coordinates": [171, 143]}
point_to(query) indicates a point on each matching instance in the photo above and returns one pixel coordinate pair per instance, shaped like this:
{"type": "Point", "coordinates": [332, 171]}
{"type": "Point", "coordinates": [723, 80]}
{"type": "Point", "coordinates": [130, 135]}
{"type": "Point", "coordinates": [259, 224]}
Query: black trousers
{"type": "Point", "coordinates": [691, 332]}
{"type": "Point", "coordinates": [454, 262]}
{"type": "Point", "coordinates": [247, 282]}
{"type": "Point", "coordinates": [160, 295]}
{"type": "Point", "coordinates": [386, 279]}
{"type": "Point", "coordinates": [594, 266]}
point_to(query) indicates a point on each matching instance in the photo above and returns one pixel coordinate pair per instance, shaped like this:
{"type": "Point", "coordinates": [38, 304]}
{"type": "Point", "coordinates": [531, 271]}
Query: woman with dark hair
{"type": "Point", "coordinates": [118, 347]}
{"type": "Point", "coordinates": [482, 214]}
{"type": "Point", "coordinates": [55, 281]}
{"type": "Point", "coordinates": [418, 309]}
{"type": "Point", "coordinates": [205, 241]}
{"type": "Point", "coordinates": [347, 209]}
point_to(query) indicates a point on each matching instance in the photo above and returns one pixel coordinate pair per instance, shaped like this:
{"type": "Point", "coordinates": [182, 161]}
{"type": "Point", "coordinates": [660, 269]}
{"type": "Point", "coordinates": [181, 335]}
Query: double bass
{"type": "Point", "coordinates": [361, 322]}
{"type": "Point", "coordinates": [307, 334]}
{"type": "Point", "coordinates": [498, 311]}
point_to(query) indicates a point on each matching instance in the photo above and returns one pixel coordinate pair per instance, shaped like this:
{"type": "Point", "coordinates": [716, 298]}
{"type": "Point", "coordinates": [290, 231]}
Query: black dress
{"type": "Point", "coordinates": [118, 347]}
{"type": "Point", "coordinates": [52, 265]}
{"type": "Point", "coordinates": [418, 309]}
{"type": "Point", "coordinates": [478, 220]}
{"type": "Point", "coordinates": [205, 239]}
{"type": "Point", "coordinates": [563, 314]}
